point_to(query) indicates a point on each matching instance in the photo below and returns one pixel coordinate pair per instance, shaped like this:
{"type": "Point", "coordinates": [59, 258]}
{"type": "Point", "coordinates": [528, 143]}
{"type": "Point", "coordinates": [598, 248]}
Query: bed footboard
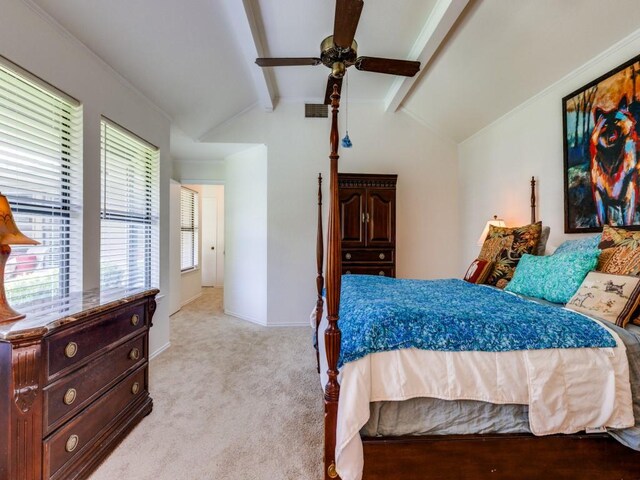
{"type": "Point", "coordinates": [499, 457]}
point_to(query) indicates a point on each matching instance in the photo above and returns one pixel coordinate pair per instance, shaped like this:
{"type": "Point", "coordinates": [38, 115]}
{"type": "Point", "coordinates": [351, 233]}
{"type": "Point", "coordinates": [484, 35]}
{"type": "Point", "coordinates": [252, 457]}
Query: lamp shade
{"type": "Point", "coordinates": [496, 222]}
{"type": "Point", "coordinates": [10, 234]}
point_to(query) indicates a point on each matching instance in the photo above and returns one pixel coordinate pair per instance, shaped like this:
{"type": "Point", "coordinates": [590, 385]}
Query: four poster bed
{"type": "Point", "coordinates": [466, 454]}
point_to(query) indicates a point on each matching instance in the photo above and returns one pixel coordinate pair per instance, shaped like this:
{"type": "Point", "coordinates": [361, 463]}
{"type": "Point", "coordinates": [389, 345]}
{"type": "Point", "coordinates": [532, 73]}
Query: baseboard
{"type": "Point", "coordinates": [160, 350]}
{"type": "Point", "coordinates": [244, 317]}
{"type": "Point", "coordinates": [192, 299]}
{"type": "Point", "coordinates": [289, 324]}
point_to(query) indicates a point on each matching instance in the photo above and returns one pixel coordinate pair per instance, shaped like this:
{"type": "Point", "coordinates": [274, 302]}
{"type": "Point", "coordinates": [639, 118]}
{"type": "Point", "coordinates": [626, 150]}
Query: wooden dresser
{"type": "Point", "coordinates": [368, 223]}
{"type": "Point", "coordinates": [73, 383]}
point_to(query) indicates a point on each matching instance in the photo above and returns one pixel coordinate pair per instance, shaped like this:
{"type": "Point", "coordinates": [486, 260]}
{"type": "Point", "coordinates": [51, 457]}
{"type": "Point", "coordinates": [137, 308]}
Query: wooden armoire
{"type": "Point", "coordinates": [368, 223]}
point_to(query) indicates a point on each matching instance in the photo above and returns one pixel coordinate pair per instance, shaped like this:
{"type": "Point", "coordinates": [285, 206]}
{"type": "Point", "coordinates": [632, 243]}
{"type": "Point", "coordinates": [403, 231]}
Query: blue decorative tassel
{"type": "Point", "coordinates": [346, 141]}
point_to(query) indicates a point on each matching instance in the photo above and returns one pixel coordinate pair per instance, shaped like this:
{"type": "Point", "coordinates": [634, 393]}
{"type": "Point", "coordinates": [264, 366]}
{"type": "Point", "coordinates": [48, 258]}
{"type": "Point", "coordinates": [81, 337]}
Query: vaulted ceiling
{"type": "Point", "coordinates": [194, 59]}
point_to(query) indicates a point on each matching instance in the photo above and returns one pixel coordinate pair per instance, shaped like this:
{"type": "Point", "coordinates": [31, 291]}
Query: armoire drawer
{"type": "Point", "coordinates": [368, 256]}
{"type": "Point", "coordinates": [69, 395]}
{"type": "Point", "coordinates": [384, 271]}
{"type": "Point", "coordinates": [81, 432]}
{"type": "Point", "coordinates": [70, 347]}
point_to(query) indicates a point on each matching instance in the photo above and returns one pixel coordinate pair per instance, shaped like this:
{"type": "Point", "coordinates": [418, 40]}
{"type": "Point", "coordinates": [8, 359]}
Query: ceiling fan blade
{"type": "Point", "coordinates": [330, 83]}
{"type": "Point", "coordinates": [346, 22]}
{"type": "Point", "coordinates": [406, 68]}
{"type": "Point", "coordinates": [287, 62]}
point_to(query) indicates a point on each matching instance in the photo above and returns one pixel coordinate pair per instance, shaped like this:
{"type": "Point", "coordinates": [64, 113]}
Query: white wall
{"type": "Point", "coordinates": [298, 148]}
{"type": "Point", "coordinates": [217, 234]}
{"type": "Point", "coordinates": [191, 281]}
{"type": "Point", "coordinates": [36, 43]}
{"type": "Point", "coordinates": [497, 162]}
{"type": "Point", "coordinates": [245, 292]}
{"type": "Point", "coordinates": [175, 277]}
{"type": "Point", "coordinates": [196, 172]}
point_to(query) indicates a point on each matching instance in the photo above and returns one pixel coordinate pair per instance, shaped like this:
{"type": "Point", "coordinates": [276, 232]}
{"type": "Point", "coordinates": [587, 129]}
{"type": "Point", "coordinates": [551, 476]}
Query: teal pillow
{"type": "Point", "coordinates": [555, 278]}
{"type": "Point", "coordinates": [581, 244]}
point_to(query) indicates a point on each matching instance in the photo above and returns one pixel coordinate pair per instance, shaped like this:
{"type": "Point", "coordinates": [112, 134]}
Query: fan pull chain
{"type": "Point", "coordinates": [346, 141]}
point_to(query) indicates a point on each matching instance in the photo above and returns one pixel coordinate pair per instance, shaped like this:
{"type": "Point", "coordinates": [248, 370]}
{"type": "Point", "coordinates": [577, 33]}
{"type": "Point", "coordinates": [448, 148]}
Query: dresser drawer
{"type": "Point", "coordinates": [384, 271]}
{"type": "Point", "coordinates": [81, 432]}
{"type": "Point", "coordinates": [366, 256]}
{"type": "Point", "coordinates": [72, 393]}
{"type": "Point", "coordinates": [68, 348]}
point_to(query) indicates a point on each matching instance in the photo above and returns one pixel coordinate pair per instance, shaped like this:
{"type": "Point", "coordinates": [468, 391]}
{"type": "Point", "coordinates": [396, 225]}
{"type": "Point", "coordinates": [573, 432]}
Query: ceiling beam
{"type": "Point", "coordinates": [251, 33]}
{"type": "Point", "coordinates": [443, 16]}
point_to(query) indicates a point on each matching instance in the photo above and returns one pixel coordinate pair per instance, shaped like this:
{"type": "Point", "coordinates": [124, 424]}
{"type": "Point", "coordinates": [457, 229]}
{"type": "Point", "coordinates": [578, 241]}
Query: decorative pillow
{"type": "Point", "coordinates": [621, 251]}
{"type": "Point", "coordinates": [478, 271]}
{"type": "Point", "coordinates": [504, 246]}
{"type": "Point", "coordinates": [589, 243]}
{"type": "Point", "coordinates": [610, 297]}
{"type": "Point", "coordinates": [555, 278]}
{"type": "Point", "coordinates": [542, 243]}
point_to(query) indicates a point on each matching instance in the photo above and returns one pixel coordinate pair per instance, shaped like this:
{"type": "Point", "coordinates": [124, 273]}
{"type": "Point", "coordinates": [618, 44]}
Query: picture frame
{"type": "Point", "coordinates": [601, 127]}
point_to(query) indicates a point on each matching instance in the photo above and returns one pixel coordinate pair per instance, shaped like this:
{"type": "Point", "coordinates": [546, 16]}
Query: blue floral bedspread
{"type": "Point", "coordinates": [378, 314]}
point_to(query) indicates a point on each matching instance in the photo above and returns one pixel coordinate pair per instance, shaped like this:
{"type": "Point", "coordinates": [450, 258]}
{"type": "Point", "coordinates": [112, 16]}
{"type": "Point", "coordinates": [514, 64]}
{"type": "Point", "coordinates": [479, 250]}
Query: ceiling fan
{"type": "Point", "coordinates": [340, 51]}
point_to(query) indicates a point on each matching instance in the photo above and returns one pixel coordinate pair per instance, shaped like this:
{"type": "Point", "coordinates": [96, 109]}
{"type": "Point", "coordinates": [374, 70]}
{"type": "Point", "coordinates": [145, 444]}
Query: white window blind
{"type": "Point", "coordinates": [40, 173]}
{"type": "Point", "coordinates": [129, 214]}
{"type": "Point", "coordinates": [188, 229]}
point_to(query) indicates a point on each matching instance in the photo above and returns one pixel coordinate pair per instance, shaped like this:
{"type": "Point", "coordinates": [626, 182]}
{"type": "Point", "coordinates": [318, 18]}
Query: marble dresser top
{"type": "Point", "coordinates": [77, 306]}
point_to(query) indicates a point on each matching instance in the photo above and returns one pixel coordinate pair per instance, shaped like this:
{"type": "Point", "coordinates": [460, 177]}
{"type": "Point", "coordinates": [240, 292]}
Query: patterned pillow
{"type": "Point", "coordinates": [610, 297]}
{"type": "Point", "coordinates": [555, 278]}
{"type": "Point", "coordinates": [504, 246]}
{"type": "Point", "coordinates": [620, 251]}
{"type": "Point", "coordinates": [478, 271]}
{"type": "Point", "coordinates": [589, 243]}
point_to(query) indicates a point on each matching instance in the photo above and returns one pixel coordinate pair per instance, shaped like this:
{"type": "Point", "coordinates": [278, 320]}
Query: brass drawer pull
{"type": "Point", "coordinates": [134, 354]}
{"type": "Point", "coordinates": [348, 272]}
{"type": "Point", "coordinates": [72, 443]}
{"type": "Point", "coordinates": [381, 273]}
{"type": "Point", "coordinates": [70, 396]}
{"type": "Point", "coordinates": [381, 256]}
{"type": "Point", "coordinates": [71, 349]}
{"type": "Point", "coordinates": [347, 256]}
{"type": "Point", "coordinates": [135, 388]}
{"type": "Point", "coordinates": [135, 319]}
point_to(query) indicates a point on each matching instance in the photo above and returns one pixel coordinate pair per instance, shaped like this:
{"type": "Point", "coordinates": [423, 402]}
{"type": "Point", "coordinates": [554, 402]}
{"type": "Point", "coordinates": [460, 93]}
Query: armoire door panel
{"type": "Point", "coordinates": [352, 216]}
{"type": "Point", "coordinates": [380, 217]}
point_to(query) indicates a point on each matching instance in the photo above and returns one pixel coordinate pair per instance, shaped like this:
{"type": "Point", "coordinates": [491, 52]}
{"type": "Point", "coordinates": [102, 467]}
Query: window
{"type": "Point", "coordinates": [129, 214]}
{"type": "Point", "coordinates": [188, 229]}
{"type": "Point", "coordinates": [40, 173]}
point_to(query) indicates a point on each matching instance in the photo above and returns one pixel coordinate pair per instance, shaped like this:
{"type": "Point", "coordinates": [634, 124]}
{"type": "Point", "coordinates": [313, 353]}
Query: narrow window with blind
{"type": "Point", "coordinates": [40, 174]}
{"type": "Point", "coordinates": [129, 246]}
{"type": "Point", "coordinates": [188, 229]}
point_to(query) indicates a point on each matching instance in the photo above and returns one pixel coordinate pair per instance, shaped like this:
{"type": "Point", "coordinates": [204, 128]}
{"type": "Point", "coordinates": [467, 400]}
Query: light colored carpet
{"type": "Point", "coordinates": [232, 400]}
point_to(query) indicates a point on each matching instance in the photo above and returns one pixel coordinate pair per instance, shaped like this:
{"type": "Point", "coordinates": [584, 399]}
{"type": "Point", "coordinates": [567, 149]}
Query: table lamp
{"type": "Point", "coordinates": [496, 222]}
{"type": "Point", "coordinates": [9, 235]}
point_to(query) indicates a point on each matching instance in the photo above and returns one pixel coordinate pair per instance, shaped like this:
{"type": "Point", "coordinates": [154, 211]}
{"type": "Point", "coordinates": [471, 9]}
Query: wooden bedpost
{"type": "Point", "coordinates": [319, 263]}
{"type": "Point", "coordinates": [332, 333]}
{"type": "Point", "coordinates": [533, 199]}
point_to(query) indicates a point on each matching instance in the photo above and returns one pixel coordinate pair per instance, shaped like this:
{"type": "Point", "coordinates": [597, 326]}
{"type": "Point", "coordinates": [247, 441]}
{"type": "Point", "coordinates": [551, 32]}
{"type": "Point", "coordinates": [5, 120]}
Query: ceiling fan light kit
{"type": "Point", "coordinates": [340, 51]}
